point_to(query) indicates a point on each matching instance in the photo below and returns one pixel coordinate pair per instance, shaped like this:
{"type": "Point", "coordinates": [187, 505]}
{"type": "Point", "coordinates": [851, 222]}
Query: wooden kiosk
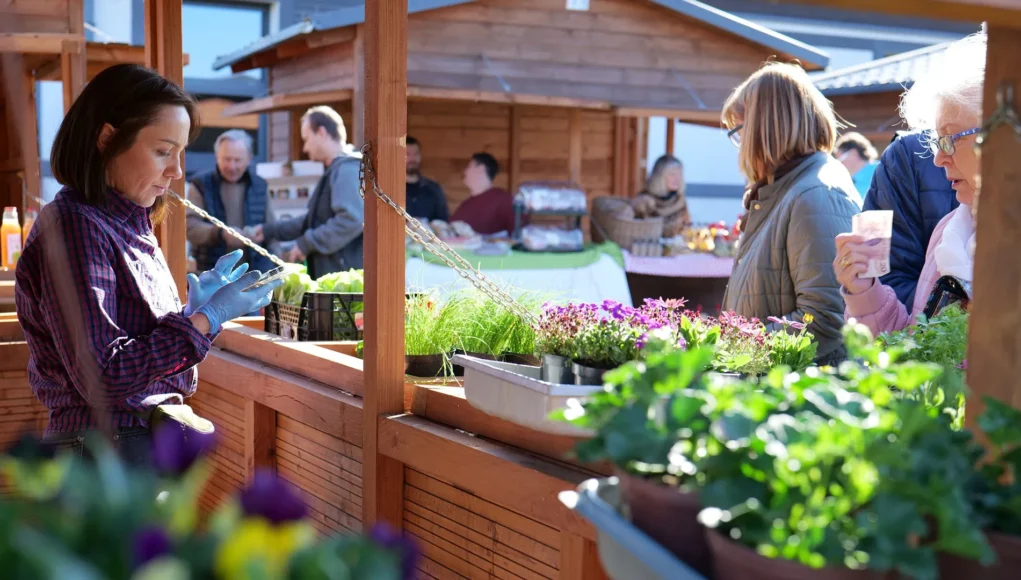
{"type": "Point", "coordinates": [478, 493]}
{"type": "Point", "coordinates": [551, 93]}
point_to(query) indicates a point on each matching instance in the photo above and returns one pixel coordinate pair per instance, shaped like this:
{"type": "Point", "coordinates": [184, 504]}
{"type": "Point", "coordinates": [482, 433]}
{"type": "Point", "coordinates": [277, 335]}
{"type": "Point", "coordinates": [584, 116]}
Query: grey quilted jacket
{"type": "Point", "coordinates": [784, 265]}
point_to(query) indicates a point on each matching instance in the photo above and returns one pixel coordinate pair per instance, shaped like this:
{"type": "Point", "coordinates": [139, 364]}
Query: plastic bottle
{"type": "Point", "coordinates": [30, 215]}
{"type": "Point", "coordinates": [10, 237]}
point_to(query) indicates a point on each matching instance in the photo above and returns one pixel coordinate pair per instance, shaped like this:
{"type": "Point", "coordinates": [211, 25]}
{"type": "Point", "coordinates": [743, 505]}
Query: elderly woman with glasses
{"type": "Point", "coordinates": [948, 104]}
{"type": "Point", "coordinates": [799, 199]}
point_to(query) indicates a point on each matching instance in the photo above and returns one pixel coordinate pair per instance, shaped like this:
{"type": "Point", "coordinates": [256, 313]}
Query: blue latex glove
{"type": "Point", "coordinates": [202, 287]}
{"type": "Point", "coordinates": [233, 301]}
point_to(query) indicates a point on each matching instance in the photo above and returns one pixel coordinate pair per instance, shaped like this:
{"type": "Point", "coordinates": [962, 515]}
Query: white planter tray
{"type": "Point", "coordinates": [515, 393]}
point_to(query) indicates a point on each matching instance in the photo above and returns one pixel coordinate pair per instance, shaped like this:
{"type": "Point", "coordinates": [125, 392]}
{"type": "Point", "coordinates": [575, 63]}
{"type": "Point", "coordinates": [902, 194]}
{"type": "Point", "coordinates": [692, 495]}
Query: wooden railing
{"type": "Point", "coordinates": [479, 494]}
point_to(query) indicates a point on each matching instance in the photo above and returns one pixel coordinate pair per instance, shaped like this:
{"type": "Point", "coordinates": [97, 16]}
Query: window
{"type": "Point", "coordinates": [213, 30]}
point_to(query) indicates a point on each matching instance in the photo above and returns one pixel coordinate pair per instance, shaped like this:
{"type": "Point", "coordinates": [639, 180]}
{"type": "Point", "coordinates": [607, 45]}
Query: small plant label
{"type": "Point", "coordinates": [581, 5]}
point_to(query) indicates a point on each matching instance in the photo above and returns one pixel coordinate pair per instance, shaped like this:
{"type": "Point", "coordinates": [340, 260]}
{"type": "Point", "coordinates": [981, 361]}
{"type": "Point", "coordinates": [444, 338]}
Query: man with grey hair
{"type": "Point", "coordinates": [231, 193]}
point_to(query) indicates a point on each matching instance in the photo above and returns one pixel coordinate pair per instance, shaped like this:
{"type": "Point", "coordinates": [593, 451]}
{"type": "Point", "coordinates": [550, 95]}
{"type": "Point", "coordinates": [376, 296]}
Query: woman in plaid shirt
{"type": "Point", "coordinates": [108, 337]}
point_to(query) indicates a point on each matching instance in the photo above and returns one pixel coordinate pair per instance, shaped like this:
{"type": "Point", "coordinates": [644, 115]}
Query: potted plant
{"type": "Point", "coordinates": [612, 340]}
{"type": "Point", "coordinates": [428, 335]}
{"type": "Point", "coordinates": [555, 338]}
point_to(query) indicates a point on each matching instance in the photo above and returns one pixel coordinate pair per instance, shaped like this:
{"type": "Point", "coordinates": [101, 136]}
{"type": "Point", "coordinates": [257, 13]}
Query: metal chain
{"type": "Point", "coordinates": [1005, 114]}
{"type": "Point", "coordinates": [240, 237]}
{"type": "Point", "coordinates": [436, 246]}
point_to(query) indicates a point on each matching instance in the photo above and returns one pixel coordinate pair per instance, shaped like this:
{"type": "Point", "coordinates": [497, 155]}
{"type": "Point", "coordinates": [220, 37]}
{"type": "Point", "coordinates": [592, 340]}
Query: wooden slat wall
{"type": "Point", "coordinates": [20, 411]}
{"type": "Point", "coordinates": [226, 411]}
{"type": "Point", "coordinates": [327, 68]}
{"type": "Point", "coordinates": [873, 115]}
{"type": "Point", "coordinates": [327, 469]}
{"type": "Point", "coordinates": [450, 132]}
{"type": "Point", "coordinates": [46, 16]}
{"type": "Point", "coordinates": [464, 536]}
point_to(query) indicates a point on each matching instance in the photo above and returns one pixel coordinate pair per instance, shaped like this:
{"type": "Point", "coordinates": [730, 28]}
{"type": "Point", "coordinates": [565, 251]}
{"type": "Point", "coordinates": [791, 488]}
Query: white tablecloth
{"type": "Point", "coordinates": [602, 280]}
{"type": "Point", "coordinates": [694, 265]}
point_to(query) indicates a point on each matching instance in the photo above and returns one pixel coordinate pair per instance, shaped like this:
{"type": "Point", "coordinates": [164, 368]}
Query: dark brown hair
{"type": "Point", "coordinates": [128, 97]}
{"type": "Point", "coordinates": [327, 118]}
{"type": "Point", "coordinates": [489, 162]}
{"type": "Point", "coordinates": [859, 143]}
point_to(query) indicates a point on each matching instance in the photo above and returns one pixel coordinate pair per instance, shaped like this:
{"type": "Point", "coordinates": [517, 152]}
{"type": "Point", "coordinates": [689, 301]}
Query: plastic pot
{"type": "Point", "coordinates": [586, 375]}
{"type": "Point", "coordinates": [556, 370]}
{"type": "Point", "coordinates": [670, 517]}
{"type": "Point", "coordinates": [734, 561]}
{"type": "Point", "coordinates": [521, 359]}
{"type": "Point", "coordinates": [423, 365]}
{"type": "Point", "coordinates": [458, 370]}
{"type": "Point", "coordinates": [1008, 561]}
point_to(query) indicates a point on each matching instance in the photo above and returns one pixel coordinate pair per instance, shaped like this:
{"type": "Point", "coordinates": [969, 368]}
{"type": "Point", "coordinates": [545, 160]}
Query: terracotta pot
{"type": "Point", "coordinates": [557, 370]}
{"type": "Point", "coordinates": [734, 561]}
{"type": "Point", "coordinates": [670, 517]}
{"type": "Point", "coordinates": [423, 365]}
{"type": "Point", "coordinates": [1008, 561]}
{"type": "Point", "coordinates": [521, 359]}
{"type": "Point", "coordinates": [585, 375]}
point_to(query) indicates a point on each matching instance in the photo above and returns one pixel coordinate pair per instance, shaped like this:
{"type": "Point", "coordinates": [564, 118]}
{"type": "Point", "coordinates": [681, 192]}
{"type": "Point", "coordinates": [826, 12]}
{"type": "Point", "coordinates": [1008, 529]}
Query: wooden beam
{"type": "Point", "coordinates": [164, 52]}
{"type": "Point", "coordinates": [1003, 12]}
{"type": "Point", "coordinates": [994, 346]}
{"type": "Point", "coordinates": [385, 114]}
{"type": "Point", "coordinates": [286, 101]}
{"type": "Point", "coordinates": [671, 126]}
{"type": "Point", "coordinates": [297, 143]}
{"type": "Point", "coordinates": [639, 145]}
{"type": "Point", "coordinates": [574, 148]}
{"type": "Point", "coordinates": [702, 117]}
{"type": "Point", "coordinates": [514, 147]}
{"type": "Point", "coordinates": [260, 437]}
{"type": "Point", "coordinates": [621, 160]}
{"type": "Point", "coordinates": [72, 64]}
{"type": "Point", "coordinates": [499, 97]}
{"type": "Point", "coordinates": [32, 173]}
{"type": "Point", "coordinates": [32, 43]}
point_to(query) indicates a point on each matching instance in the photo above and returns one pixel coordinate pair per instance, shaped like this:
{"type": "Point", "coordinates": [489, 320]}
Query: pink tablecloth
{"type": "Point", "coordinates": [683, 266]}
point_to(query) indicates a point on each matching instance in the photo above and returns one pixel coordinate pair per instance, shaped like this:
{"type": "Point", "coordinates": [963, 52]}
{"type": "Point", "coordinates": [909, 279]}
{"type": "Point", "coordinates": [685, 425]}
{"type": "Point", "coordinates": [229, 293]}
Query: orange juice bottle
{"type": "Point", "coordinates": [30, 215]}
{"type": "Point", "coordinates": [10, 237]}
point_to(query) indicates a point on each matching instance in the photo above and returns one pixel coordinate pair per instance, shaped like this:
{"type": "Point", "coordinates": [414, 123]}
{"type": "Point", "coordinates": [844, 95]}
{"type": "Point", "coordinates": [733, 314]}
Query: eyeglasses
{"type": "Point", "coordinates": [735, 136]}
{"type": "Point", "coordinates": [946, 143]}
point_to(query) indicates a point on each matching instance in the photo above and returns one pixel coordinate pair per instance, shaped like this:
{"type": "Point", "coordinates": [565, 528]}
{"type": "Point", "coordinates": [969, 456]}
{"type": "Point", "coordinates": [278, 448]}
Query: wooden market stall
{"type": "Point", "coordinates": [868, 95]}
{"type": "Point", "coordinates": [551, 93]}
{"type": "Point", "coordinates": [478, 493]}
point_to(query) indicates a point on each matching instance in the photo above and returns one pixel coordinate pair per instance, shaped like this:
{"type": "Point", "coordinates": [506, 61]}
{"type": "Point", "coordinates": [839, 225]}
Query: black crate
{"type": "Point", "coordinates": [322, 316]}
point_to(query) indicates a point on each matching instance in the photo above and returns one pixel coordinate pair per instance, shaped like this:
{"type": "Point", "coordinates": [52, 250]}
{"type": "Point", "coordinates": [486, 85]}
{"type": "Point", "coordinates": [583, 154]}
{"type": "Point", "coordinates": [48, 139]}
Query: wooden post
{"type": "Point", "coordinates": [297, 143]}
{"type": "Point", "coordinates": [514, 148]}
{"type": "Point", "coordinates": [73, 64]}
{"type": "Point", "coordinates": [639, 149]}
{"type": "Point", "coordinates": [164, 52]}
{"type": "Point", "coordinates": [574, 151]}
{"type": "Point", "coordinates": [621, 159]}
{"type": "Point", "coordinates": [671, 126]}
{"type": "Point", "coordinates": [386, 90]}
{"type": "Point", "coordinates": [994, 345]}
{"type": "Point", "coordinates": [260, 437]}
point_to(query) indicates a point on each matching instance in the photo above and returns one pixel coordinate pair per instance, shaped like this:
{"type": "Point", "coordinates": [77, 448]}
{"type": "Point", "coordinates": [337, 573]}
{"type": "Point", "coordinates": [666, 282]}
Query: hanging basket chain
{"type": "Point", "coordinates": [240, 237]}
{"type": "Point", "coordinates": [436, 246]}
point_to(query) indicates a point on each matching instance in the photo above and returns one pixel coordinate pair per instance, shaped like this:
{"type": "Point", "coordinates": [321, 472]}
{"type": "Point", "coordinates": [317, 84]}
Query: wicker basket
{"type": "Point", "coordinates": [608, 225]}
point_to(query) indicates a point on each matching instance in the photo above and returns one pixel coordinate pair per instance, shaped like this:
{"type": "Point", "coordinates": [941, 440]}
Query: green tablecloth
{"type": "Point", "coordinates": [533, 260]}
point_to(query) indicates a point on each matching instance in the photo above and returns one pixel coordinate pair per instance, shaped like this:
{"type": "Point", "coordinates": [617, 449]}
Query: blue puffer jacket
{"type": "Point", "coordinates": [920, 195]}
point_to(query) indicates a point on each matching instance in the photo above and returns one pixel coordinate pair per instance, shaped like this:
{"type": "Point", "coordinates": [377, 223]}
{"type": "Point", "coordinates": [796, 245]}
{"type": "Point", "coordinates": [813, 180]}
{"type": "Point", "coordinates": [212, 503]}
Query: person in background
{"type": "Point", "coordinates": [799, 200]}
{"type": "Point", "coordinates": [947, 105]}
{"type": "Point", "coordinates": [108, 338]}
{"type": "Point", "coordinates": [329, 235]}
{"type": "Point", "coordinates": [859, 157]}
{"type": "Point", "coordinates": [919, 194]}
{"type": "Point", "coordinates": [233, 194]}
{"type": "Point", "coordinates": [490, 209]}
{"type": "Point", "coordinates": [424, 197]}
{"type": "Point", "coordinates": [663, 196]}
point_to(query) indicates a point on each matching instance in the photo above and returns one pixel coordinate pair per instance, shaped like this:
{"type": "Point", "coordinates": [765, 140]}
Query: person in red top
{"type": "Point", "coordinates": [490, 209]}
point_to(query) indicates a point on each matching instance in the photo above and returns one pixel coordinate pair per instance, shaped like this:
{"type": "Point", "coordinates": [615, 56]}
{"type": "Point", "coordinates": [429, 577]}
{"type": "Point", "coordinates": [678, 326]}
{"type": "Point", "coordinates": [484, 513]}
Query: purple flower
{"type": "Point", "coordinates": [271, 497]}
{"type": "Point", "coordinates": [784, 322]}
{"type": "Point", "coordinates": [150, 543]}
{"type": "Point", "coordinates": [175, 450]}
{"type": "Point", "coordinates": [389, 539]}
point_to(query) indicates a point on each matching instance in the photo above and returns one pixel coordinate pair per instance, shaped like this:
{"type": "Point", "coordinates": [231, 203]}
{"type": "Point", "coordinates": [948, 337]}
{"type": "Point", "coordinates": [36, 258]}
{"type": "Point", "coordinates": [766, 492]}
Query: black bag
{"type": "Point", "coordinates": [947, 290]}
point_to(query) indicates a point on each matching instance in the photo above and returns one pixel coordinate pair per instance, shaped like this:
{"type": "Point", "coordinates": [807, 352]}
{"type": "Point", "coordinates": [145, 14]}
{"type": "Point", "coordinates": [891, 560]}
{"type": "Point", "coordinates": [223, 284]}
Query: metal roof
{"type": "Point", "coordinates": [690, 8]}
{"type": "Point", "coordinates": [892, 73]}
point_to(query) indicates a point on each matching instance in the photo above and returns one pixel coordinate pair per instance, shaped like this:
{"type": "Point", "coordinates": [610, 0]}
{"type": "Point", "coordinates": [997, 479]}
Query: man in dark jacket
{"type": "Point", "coordinates": [920, 195]}
{"type": "Point", "coordinates": [424, 198]}
{"type": "Point", "coordinates": [231, 193]}
{"type": "Point", "coordinates": [329, 236]}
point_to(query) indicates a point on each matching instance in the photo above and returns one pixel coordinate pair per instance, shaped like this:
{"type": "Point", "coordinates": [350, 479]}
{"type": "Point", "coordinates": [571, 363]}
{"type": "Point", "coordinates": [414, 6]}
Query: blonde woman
{"type": "Point", "coordinates": [663, 196]}
{"type": "Point", "coordinates": [799, 199]}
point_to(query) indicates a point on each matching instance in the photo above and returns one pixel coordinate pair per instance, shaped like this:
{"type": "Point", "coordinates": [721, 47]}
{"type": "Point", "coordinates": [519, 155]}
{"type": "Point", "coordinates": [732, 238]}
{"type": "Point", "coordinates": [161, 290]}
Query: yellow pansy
{"type": "Point", "coordinates": [257, 543]}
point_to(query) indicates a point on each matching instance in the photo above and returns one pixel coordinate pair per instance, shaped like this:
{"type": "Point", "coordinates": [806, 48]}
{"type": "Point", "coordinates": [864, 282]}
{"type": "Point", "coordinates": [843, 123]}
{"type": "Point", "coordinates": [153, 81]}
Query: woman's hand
{"type": "Point", "coordinates": [234, 300]}
{"type": "Point", "coordinates": [850, 262]}
{"type": "Point", "coordinates": [202, 287]}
